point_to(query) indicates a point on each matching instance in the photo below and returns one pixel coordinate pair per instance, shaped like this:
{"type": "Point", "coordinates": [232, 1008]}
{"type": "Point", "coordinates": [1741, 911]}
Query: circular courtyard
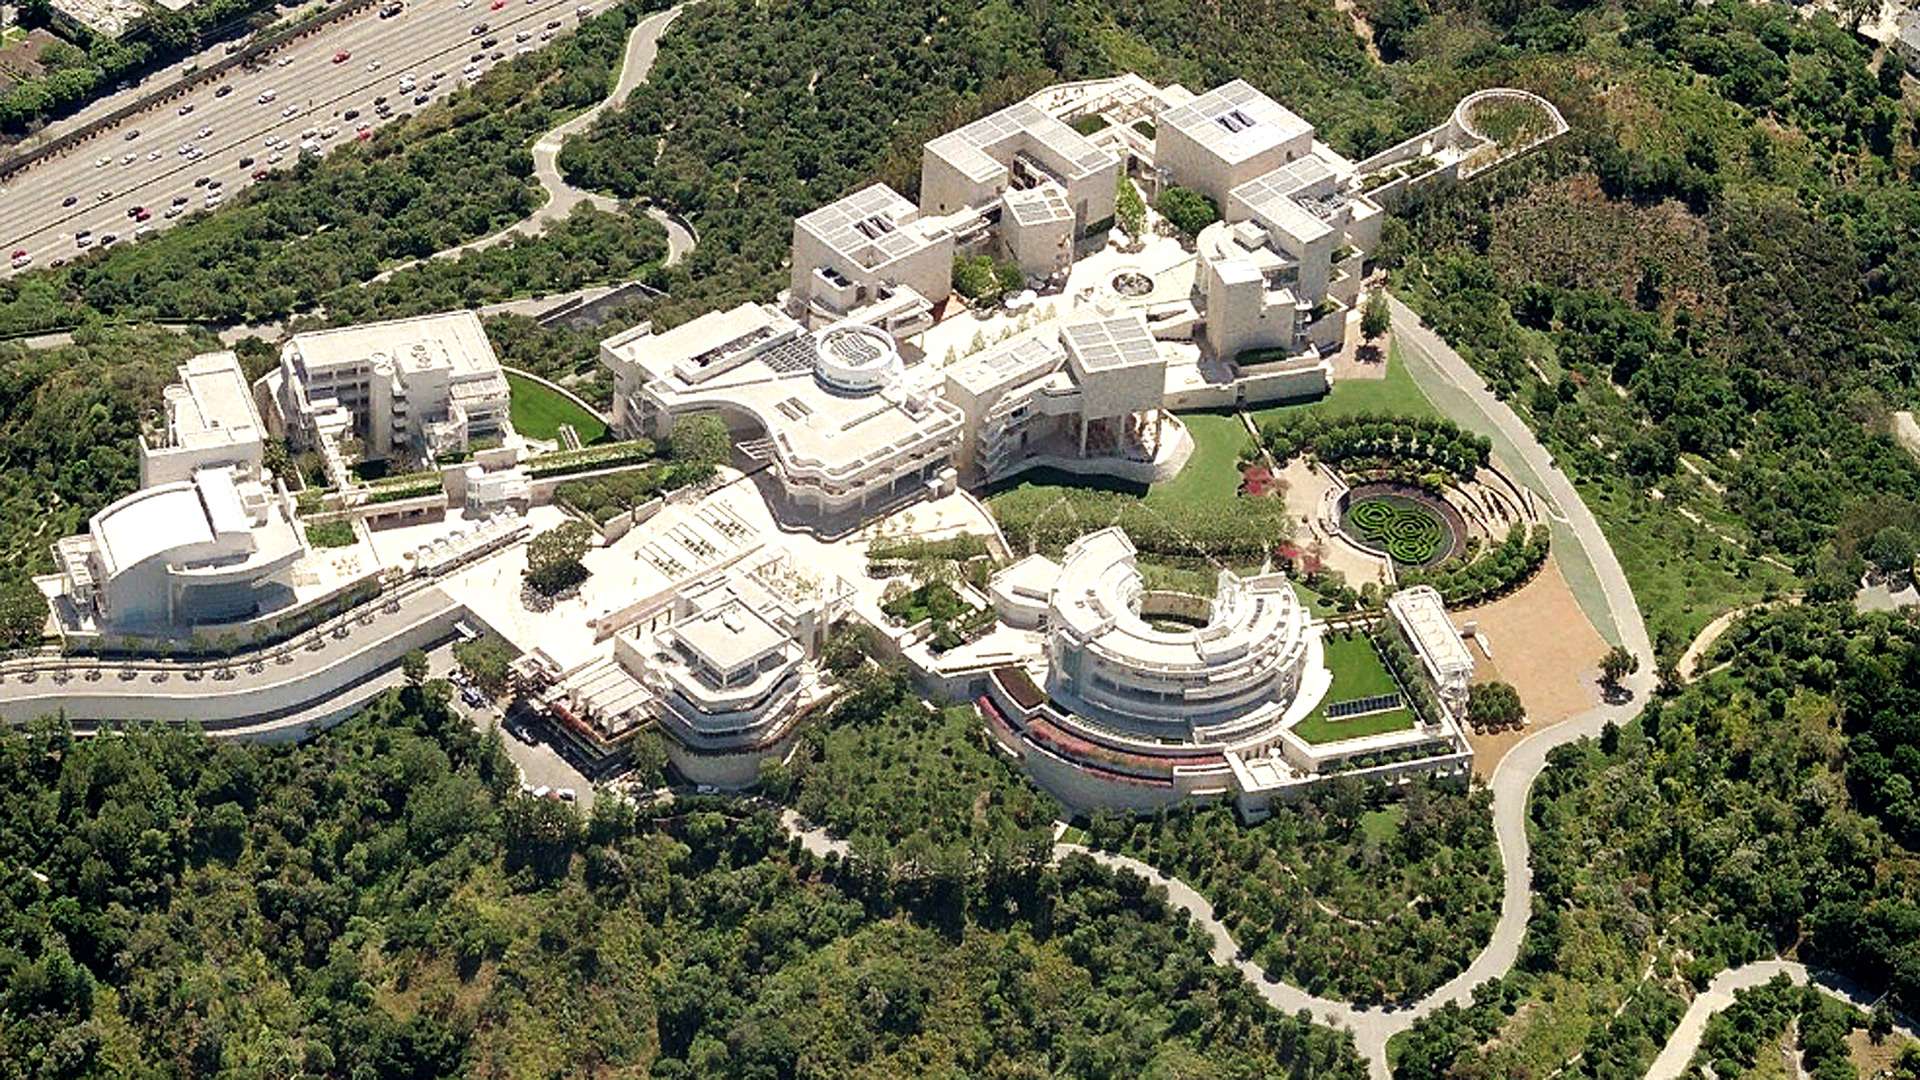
{"type": "Point", "coordinates": [1132, 284]}
{"type": "Point", "coordinates": [1414, 528]}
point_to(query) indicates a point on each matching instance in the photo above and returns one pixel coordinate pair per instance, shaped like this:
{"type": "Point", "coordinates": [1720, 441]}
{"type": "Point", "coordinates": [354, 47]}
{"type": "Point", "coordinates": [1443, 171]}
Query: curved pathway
{"type": "Point", "coordinates": [642, 47]}
{"type": "Point", "coordinates": [1680, 1048]}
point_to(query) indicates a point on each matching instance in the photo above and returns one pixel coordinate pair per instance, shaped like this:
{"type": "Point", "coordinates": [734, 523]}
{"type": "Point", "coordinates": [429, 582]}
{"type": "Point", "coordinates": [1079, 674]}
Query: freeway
{"type": "Point", "coordinates": [95, 187]}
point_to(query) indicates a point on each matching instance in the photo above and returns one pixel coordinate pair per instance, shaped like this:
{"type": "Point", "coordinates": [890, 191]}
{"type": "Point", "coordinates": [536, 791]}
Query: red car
{"type": "Point", "coordinates": [497, 5]}
{"type": "Point", "coordinates": [363, 134]}
{"type": "Point", "coordinates": [143, 215]}
{"type": "Point", "coordinates": [342, 56]}
{"type": "Point", "coordinates": [17, 252]}
{"type": "Point", "coordinates": [259, 174]}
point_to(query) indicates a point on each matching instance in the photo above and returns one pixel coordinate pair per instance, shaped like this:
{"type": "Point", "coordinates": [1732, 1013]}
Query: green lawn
{"type": "Point", "coordinates": [1358, 672]}
{"type": "Point", "coordinates": [1316, 604]}
{"type": "Point", "coordinates": [1396, 394]}
{"type": "Point", "coordinates": [1212, 475]}
{"type": "Point", "coordinates": [1382, 825]}
{"type": "Point", "coordinates": [538, 413]}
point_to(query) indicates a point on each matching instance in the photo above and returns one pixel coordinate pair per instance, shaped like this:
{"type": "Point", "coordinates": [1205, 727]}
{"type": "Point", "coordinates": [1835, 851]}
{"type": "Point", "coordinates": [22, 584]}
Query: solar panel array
{"type": "Point", "coordinates": [1039, 206]}
{"type": "Point", "coordinates": [1119, 341]}
{"type": "Point", "coordinates": [863, 226]}
{"type": "Point", "coordinates": [972, 149]}
{"type": "Point", "coordinates": [1273, 198]}
{"type": "Point", "coordinates": [1341, 710]}
{"type": "Point", "coordinates": [1235, 121]}
{"type": "Point", "coordinates": [790, 357]}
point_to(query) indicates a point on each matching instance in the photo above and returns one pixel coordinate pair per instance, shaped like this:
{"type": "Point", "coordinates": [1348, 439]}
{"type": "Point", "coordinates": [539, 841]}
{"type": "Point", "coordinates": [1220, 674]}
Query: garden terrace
{"type": "Point", "coordinates": [1359, 675]}
{"type": "Point", "coordinates": [1407, 446]}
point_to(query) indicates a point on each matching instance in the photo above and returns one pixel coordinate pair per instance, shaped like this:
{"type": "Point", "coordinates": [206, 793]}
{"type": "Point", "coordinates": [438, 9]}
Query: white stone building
{"type": "Point", "coordinates": [846, 430]}
{"type": "Point", "coordinates": [406, 388]}
{"type": "Point", "coordinates": [1422, 616]}
{"type": "Point", "coordinates": [207, 538]}
{"type": "Point", "coordinates": [870, 254]}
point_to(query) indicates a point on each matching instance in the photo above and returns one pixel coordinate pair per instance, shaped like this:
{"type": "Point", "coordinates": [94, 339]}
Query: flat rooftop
{"type": "Point", "coordinates": [688, 350]}
{"type": "Point", "coordinates": [1038, 206]}
{"type": "Point", "coordinates": [1234, 121]}
{"type": "Point", "coordinates": [1424, 615]}
{"type": "Point", "coordinates": [453, 340]}
{"type": "Point", "coordinates": [729, 635]}
{"type": "Point", "coordinates": [211, 404]}
{"type": "Point", "coordinates": [978, 149]}
{"type": "Point", "coordinates": [1010, 364]}
{"type": "Point", "coordinates": [1111, 341]}
{"type": "Point", "coordinates": [870, 227]}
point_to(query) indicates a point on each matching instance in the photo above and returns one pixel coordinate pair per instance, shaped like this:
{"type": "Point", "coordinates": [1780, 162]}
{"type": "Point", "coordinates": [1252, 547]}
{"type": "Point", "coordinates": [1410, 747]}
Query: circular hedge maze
{"type": "Point", "coordinates": [1410, 531]}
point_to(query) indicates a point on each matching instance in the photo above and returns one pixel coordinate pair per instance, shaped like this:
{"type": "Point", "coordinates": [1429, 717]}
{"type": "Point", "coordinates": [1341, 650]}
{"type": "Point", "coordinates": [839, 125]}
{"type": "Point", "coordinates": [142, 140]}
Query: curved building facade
{"type": "Point", "coordinates": [1168, 665]}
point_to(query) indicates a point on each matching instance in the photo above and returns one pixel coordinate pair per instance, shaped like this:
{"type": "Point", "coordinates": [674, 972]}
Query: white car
{"type": "Point", "coordinates": [173, 211]}
{"type": "Point", "coordinates": [206, 133]}
{"type": "Point", "coordinates": [275, 157]}
{"type": "Point", "coordinates": [83, 240]}
{"type": "Point", "coordinates": [129, 159]}
{"type": "Point", "coordinates": [289, 110]}
{"type": "Point", "coordinates": [153, 155]}
{"type": "Point", "coordinates": [373, 65]}
{"type": "Point", "coordinates": [267, 96]}
{"type": "Point", "coordinates": [21, 260]}
{"type": "Point", "coordinates": [329, 132]}
{"type": "Point", "coordinates": [101, 163]}
{"type": "Point", "coordinates": [143, 230]}
{"type": "Point", "coordinates": [470, 71]}
{"type": "Point", "coordinates": [284, 61]}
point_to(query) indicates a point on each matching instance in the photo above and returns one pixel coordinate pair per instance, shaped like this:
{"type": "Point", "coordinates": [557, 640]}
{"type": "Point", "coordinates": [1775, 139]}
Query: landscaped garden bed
{"type": "Point", "coordinates": [1411, 527]}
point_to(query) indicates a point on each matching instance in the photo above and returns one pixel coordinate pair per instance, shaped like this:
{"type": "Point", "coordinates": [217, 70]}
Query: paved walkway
{"type": "Point", "coordinates": [562, 197]}
{"type": "Point", "coordinates": [1680, 1048]}
{"type": "Point", "coordinates": [1491, 416]}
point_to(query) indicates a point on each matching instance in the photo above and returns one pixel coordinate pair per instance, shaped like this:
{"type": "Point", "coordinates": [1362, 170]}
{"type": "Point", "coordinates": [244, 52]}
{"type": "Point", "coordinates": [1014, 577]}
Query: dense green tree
{"type": "Point", "coordinates": [1188, 211]}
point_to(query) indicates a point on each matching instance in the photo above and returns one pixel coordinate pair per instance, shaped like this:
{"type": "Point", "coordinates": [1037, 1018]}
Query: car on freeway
{"type": "Point", "coordinates": [153, 155]}
{"type": "Point", "coordinates": [474, 60]}
{"type": "Point", "coordinates": [245, 162]}
{"type": "Point", "coordinates": [21, 257]}
{"type": "Point", "coordinates": [186, 108]}
{"type": "Point", "coordinates": [350, 114]}
{"type": "Point", "coordinates": [179, 200]}
{"type": "Point", "coordinates": [466, 3]}
{"type": "Point", "coordinates": [470, 71]}
{"type": "Point", "coordinates": [524, 35]}
{"type": "Point", "coordinates": [144, 215]}
{"type": "Point", "coordinates": [289, 110]}
{"type": "Point", "coordinates": [261, 174]}
{"type": "Point", "coordinates": [524, 50]}
{"type": "Point", "coordinates": [129, 159]}
{"type": "Point", "coordinates": [108, 239]}
{"type": "Point", "coordinates": [82, 240]}
{"type": "Point", "coordinates": [546, 35]}
{"type": "Point", "coordinates": [329, 132]}
{"type": "Point", "coordinates": [284, 61]}
{"type": "Point", "coordinates": [437, 76]}
{"type": "Point", "coordinates": [498, 54]}
{"type": "Point", "coordinates": [422, 98]}
{"type": "Point", "coordinates": [201, 181]}
{"type": "Point", "coordinates": [373, 65]}
{"type": "Point", "coordinates": [216, 183]}
{"type": "Point", "coordinates": [342, 56]}
{"type": "Point", "coordinates": [407, 84]}
{"type": "Point", "coordinates": [224, 90]}
{"type": "Point", "coordinates": [496, 5]}
{"type": "Point", "coordinates": [56, 264]}
{"type": "Point", "coordinates": [206, 132]}
{"type": "Point", "coordinates": [104, 195]}
{"type": "Point", "coordinates": [267, 96]}
{"type": "Point", "coordinates": [553, 24]}
{"type": "Point", "coordinates": [133, 210]}
{"type": "Point", "coordinates": [69, 200]}
{"type": "Point", "coordinates": [363, 134]}
{"type": "Point", "coordinates": [489, 42]}
{"type": "Point", "coordinates": [101, 163]}
{"type": "Point", "coordinates": [388, 11]}
{"type": "Point", "coordinates": [478, 29]}
{"type": "Point", "coordinates": [132, 135]}
{"type": "Point", "coordinates": [144, 230]}
{"type": "Point", "coordinates": [174, 211]}
{"type": "Point", "coordinates": [274, 158]}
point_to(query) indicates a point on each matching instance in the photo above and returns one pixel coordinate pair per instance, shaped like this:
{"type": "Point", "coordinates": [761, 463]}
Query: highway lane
{"type": "Point", "coordinates": [431, 36]}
